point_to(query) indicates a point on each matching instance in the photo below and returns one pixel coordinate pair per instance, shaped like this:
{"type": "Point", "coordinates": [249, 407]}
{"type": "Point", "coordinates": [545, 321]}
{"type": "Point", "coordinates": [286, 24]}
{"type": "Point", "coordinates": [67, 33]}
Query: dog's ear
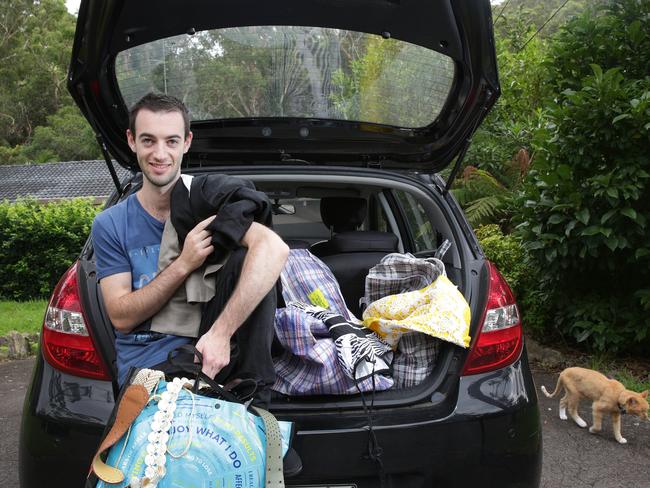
{"type": "Point", "coordinates": [644, 394]}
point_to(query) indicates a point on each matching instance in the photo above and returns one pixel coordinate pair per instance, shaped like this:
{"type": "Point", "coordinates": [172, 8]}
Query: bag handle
{"type": "Point", "coordinates": [274, 468]}
{"type": "Point", "coordinates": [195, 369]}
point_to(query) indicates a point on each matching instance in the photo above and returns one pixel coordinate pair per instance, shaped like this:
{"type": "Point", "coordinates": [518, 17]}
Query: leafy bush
{"type": "Point", "coordinates": [615, 35]}
{"type": "Point", "coordinates": [38, 242]}
{"type": "Point", "coordinates": [509, 126]}
{"type": "Point", "coordinates": [508, 254]}
{"type": "Point", "coordinates": [586, 202]}
{"type": "Point", "coordinates": [12, 155]}
{"type": "Point", "coordinates": [586, 209]}
{"type": "Point", "coordinates": [483, 198]}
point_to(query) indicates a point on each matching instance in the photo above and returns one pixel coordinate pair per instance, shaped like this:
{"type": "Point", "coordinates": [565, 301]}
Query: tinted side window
{"type": "Point", "coordinates": [422, 232]}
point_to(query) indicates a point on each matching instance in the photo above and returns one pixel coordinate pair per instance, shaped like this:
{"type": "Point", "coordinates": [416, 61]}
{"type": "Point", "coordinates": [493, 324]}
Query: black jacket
{"type": "Point", "coordinates": [234, 200]}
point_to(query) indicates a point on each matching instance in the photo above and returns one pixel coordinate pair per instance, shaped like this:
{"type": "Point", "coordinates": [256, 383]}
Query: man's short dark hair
{"type": "Point", "coordinates": [157, 102]}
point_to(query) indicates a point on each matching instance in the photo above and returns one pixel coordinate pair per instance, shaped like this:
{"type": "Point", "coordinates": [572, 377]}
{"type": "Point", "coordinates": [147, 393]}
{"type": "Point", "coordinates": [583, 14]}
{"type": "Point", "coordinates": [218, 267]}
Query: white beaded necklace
{"type": "Point", "coordinates": [159, 436]}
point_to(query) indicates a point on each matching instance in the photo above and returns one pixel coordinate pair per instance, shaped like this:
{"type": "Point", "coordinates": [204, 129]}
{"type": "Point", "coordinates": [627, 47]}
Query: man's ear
{"type": "Point", "coordinates": [187, 142]}
{"type": "Point", "coordinates": [130, 138]}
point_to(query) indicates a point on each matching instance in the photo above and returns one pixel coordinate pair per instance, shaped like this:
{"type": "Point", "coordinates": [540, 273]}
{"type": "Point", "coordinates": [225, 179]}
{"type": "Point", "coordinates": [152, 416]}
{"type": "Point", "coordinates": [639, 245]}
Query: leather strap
{"type": "Point", "coordinates": [274, 469]}
{"type": "Point", "coordinates": [133, 401]}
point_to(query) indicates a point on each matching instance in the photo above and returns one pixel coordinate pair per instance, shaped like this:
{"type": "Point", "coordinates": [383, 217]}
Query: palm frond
{"type": "Point", "coordinates": [485, 210]}
{"type": "Point", "coordinates": [475, 185]}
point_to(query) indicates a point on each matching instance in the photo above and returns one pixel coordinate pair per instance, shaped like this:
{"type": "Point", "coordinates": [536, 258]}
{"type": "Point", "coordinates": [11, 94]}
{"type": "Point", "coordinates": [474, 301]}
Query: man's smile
{"type": "Point", "coordinates": [160, 166]}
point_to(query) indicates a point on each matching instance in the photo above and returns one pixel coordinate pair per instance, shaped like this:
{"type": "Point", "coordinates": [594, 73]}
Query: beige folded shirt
{"type": "Point", "coordinates": [181, 316]}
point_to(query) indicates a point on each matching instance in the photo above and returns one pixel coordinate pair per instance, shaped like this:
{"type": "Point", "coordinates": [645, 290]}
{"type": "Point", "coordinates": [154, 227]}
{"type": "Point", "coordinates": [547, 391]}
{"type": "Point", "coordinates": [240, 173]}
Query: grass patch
{"type": "Point", "coordinates": [632, 373]}
{"type": "Point", "coordinates": [21, 316]}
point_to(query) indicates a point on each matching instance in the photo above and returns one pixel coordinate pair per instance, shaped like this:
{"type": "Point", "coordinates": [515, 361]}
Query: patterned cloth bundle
{"type": "Point", "coordinates": [438, 310]}
{"type": "Point", "coordinates": [400, 273]}
{"type": "Point", "coordinates": [309, 364]}
{"type": "Point", "coordinates": [416, 348]}
{"type": "Point", "coordinates": [339, 356]}
{"type": "Point", "coordinates": [361, 353]}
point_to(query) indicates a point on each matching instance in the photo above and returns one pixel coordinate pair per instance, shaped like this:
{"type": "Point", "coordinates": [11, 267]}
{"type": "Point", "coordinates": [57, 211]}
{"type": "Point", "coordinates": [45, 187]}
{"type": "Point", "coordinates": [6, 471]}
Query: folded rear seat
{"type": "Point", "coordinates": [351, 255]}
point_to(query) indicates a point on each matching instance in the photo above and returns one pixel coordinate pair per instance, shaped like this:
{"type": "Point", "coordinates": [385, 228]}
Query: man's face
{"type": "Point", "coordinates": [159, 145]}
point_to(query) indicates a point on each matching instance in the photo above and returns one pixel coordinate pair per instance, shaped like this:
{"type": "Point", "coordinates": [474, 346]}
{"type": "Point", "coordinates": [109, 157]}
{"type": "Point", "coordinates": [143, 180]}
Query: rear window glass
{"type": "Point", "coordinates": [285, 71]}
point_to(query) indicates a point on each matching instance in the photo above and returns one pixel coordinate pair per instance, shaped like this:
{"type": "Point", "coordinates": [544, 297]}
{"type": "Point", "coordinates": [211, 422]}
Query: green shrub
{"type": "Point", "coordinates": [615, 35]}
{"type": "Point", "coordinates": [12, 155]}
{"type": "Point", "coordinates": [586, 209]}
{"type": "Point", "coordinates": [507, 253]}
{"type": "Point", "coordinates": [38, 242]}
{"type": "Point", "coordinates": [586, 201]}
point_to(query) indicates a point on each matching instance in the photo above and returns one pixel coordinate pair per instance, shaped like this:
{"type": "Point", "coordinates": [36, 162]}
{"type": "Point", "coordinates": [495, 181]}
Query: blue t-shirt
{"type": "Point", "coordinates": [126, 239]}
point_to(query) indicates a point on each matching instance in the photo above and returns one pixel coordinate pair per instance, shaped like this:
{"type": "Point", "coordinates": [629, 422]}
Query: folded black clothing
{"type": "Point", "coordinates": [235, 201]}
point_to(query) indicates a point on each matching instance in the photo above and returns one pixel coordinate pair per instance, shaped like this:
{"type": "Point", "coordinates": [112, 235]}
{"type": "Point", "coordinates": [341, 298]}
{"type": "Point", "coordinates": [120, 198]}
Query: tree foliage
{"type": "Point", "coordinates": [502, 149]}
{"type": "Point", "coordinates": [66, 137]}
{"type": "Point", "coordinates": [35, 44]}
{"type": "Point", "coordinates": [521, 18]}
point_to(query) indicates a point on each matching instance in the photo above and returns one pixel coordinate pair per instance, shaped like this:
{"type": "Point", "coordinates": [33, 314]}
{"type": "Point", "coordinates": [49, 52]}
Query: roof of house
{"type": "Point", "coordinates": [58, 180]}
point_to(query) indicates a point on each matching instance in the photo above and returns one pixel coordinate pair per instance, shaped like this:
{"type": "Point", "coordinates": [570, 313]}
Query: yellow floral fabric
{"type": "Point", "coordinates": [438, 310]}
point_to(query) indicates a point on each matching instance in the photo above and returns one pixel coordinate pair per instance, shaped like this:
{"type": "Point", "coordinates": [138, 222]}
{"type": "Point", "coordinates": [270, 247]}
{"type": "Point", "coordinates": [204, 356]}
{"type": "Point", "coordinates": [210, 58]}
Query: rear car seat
{"type": "Point", "coordinates": [350, 253]}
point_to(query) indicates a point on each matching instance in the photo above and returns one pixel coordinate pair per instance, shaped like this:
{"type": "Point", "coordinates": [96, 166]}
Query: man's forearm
{"type": "Point", "coordinates": [134, 308]}
{"type": "Point", "coordinates": [260, 271]}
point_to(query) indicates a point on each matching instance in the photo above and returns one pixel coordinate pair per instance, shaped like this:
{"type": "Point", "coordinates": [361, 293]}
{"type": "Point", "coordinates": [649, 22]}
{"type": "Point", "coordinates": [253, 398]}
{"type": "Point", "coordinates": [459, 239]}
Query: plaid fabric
{"type": "Point", "coordinates": [305, 278]}
{"type": "Point", "coordinates": [414, 359]}
{"type": "Point", "coordinates": [416, 353]}
{"type": "Point", "coordinates": [309, 365]}
{"type": "Point", "coordinates": [400, 273]}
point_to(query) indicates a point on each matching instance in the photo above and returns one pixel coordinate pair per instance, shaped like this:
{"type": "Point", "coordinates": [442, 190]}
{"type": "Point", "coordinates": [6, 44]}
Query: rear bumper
{"type": "Point", "coordinates": [493, 433]}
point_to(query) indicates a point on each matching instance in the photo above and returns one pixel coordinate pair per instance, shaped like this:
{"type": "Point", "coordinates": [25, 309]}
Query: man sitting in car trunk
{"type": "Point", "coordinates": [127, 237]}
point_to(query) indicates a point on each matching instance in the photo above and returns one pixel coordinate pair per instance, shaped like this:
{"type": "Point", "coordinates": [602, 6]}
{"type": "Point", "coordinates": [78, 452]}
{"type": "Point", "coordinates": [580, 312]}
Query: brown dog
{"type": "Point", "coordinates": [608, 396]}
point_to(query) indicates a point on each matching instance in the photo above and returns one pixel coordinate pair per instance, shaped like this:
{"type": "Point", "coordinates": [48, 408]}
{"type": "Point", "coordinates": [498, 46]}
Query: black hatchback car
{"type": "Point", "coordinates": [324, 105]}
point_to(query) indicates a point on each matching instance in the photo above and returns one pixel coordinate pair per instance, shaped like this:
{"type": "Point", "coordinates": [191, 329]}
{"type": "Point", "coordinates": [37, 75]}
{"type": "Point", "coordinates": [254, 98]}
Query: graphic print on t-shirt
{"type": "Point", "coordinates": [144, 264]}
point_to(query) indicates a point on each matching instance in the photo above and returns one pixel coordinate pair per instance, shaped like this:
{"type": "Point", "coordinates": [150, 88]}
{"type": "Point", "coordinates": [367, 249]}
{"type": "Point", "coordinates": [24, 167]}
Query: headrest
{"type": "Point", "coordinates": [363, 241]}
{"type": "Point", "coordinates": [343, 213]}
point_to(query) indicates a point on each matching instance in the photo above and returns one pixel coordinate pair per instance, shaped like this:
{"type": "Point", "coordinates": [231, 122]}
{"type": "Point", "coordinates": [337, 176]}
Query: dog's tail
{"type": "Point", "coordinates": [558, 386]}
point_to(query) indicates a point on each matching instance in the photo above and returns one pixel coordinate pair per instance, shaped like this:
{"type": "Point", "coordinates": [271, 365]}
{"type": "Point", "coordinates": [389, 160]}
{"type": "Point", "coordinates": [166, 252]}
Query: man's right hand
{"type": "Point", "coordinates": [197, 247]}
{"type": "Point", "coordinates": [128, 308]}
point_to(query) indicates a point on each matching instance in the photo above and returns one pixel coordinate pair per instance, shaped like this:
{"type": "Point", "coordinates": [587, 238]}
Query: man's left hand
{"type": "Point", "coordinates": [215, 348]}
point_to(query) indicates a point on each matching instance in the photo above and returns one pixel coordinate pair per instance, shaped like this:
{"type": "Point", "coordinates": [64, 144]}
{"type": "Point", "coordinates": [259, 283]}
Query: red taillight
{"type": "Point", "coordinates": [66, 343]}
{"type": "Point", "coordinates": [499, 339]}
